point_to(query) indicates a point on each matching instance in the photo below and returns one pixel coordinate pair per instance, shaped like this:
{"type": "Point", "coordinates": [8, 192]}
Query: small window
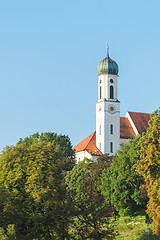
{"type": "Point", "coordinates": [100, 92]}
{"type": "Point", "coordinates": [111, 92]}
{"type": "Point", "coordinates": [111, 81]}
{"type": "Point", "coordinates": [100, 81]}
{"type": "Point", "coordinates": [111, 147]}
{"type": "Point", "coordinates": [100, 130]}
{"type": "Point", "coordinates": [111, 129]}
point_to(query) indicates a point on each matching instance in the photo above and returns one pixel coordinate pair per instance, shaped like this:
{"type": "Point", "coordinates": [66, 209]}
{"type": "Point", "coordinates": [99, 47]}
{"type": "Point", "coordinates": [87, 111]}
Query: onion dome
{"type": "Point", "coordinates": [108, 66]}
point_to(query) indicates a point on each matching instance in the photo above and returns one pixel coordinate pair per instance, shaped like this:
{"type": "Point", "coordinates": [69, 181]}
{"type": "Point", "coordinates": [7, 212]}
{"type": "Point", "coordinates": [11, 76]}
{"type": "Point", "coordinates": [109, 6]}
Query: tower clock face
{"type": "Point", "coordinates": [112, 108]}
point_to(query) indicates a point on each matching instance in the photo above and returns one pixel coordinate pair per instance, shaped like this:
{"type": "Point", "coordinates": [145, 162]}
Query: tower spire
{"type": "Point", "coordinates": [108, 107]}
{"type": "Point", "coordinates": [107, 51]}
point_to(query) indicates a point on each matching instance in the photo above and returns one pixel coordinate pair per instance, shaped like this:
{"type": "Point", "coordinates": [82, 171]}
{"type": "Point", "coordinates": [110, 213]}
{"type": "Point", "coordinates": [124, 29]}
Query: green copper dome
{"type": "Point", "coordinates": [108, 66]}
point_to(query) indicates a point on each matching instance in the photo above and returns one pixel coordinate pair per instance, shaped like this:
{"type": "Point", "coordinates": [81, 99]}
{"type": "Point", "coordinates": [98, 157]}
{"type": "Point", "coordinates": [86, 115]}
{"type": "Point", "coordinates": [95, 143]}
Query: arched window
{"type": "Point", "coordinates": [111, 129]}
{"type": "Point", "coordinates": [111, 147]}
{"type": "Point", "coordinates": [100, 92]}
{"type": "Point", "coordinates": [111, 92]}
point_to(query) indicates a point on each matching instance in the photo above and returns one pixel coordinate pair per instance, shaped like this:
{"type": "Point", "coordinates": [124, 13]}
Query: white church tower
{"type": "Point", "coordinates": [108, 107]}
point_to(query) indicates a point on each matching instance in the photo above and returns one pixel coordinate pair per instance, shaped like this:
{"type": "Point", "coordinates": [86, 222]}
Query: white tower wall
{"type": "Point", "coordinates": [104, 84]}
{"type": "Point", "coordinates": [107, 114]}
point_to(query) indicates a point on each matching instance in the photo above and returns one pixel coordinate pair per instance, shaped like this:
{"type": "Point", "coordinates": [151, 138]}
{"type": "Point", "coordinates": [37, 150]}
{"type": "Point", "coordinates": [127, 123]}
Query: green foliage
{"type": "Point", "coordinates": [149, 167]}
{"type": "Point", "coordinates": [32, 177]}
{"type": "Point", "coordinates": [120, 181]}
{"type": "Point", "coordinates": [90, 212]}
{"type": "Point", "coordinates": [9, 234]}
{"type": "Point", "coordinates": [3, 236]}
{"type": "Point", "coordinates": [61, 143]}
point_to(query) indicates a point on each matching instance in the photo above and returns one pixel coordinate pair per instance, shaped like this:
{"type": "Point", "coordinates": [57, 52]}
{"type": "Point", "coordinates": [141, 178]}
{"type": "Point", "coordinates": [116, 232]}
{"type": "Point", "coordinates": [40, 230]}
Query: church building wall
{"type": "Point", "coordinates": [84, 154]}
{"type": "Point", "coordinates": [123, 140]}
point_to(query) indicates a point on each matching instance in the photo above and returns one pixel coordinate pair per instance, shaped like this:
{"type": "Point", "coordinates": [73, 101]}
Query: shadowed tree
{"type": "Point", "coordinates": [32, 175]}
{"type": "Point", "coordinates": [149, 167]}
{"type": "Point", "coordinates": [90, 212]}
{"type": "Point", "coordinates": [120, 181]}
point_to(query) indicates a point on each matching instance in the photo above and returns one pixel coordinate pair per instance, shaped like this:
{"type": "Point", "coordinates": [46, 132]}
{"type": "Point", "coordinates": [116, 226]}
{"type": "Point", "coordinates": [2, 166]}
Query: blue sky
{"type": "Point", "coordinates": [49, 53]}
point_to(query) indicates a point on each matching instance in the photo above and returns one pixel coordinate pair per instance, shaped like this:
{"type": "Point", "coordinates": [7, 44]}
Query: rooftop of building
{"type": "Point", "coordinates": [140, 120]}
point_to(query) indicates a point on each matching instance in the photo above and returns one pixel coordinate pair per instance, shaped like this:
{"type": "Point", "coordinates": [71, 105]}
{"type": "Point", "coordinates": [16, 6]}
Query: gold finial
{"type": "Point", "coordinates": [107, 51]}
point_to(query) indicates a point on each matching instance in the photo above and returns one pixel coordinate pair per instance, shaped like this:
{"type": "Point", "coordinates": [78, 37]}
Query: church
{"type": "Point", "coordinates": [111, 129]}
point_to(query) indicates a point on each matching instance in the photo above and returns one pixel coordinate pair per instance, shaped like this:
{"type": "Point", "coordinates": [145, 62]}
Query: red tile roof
{"type": "Point", "coordinates": [140, 121]}
{"type": "Point", "coordinates": [126, 130]}
{"type": "Point", "coordinates": [88, 144]}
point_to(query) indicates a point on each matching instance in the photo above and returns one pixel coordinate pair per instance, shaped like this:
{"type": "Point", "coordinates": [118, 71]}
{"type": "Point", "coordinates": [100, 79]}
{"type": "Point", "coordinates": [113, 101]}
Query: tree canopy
{"type": "Point", "coordinates": [149, 167]}
{"type": "Point", "coordinates": [32, 176]}
{"type": "Point", "coordinates": [61, 143]}
{"type": "Point", "coordinates": [120, 181]}
{"type": "Point", "coordinates": [90, 211]}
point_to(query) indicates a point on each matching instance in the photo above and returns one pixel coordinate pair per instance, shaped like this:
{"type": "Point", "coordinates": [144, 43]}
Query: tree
{"type": "Point", "coordinates": [9, 234]}
{"type": "Point", "coordinates": [61, 142]}
{"type": "Point", "coordinates": [90, 212]}
{"type": "Point", "coordinates": [149, 167]}
{"type": "Point", "coordinates": [120, 181]}
{"type": "Point", "coordinates": [32, 175]}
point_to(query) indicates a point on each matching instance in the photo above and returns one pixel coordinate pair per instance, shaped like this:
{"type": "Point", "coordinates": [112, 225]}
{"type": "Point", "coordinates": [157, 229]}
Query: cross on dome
{"type": "Point", "coordinates": [108, 65]}
{"type": "Point", "coordinates": [107, 51]}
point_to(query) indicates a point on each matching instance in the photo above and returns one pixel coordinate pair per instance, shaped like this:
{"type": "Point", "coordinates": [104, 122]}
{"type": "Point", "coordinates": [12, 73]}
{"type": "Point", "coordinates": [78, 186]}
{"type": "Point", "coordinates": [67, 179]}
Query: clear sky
{"type": "Point", "coordinates": [49, 53]}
